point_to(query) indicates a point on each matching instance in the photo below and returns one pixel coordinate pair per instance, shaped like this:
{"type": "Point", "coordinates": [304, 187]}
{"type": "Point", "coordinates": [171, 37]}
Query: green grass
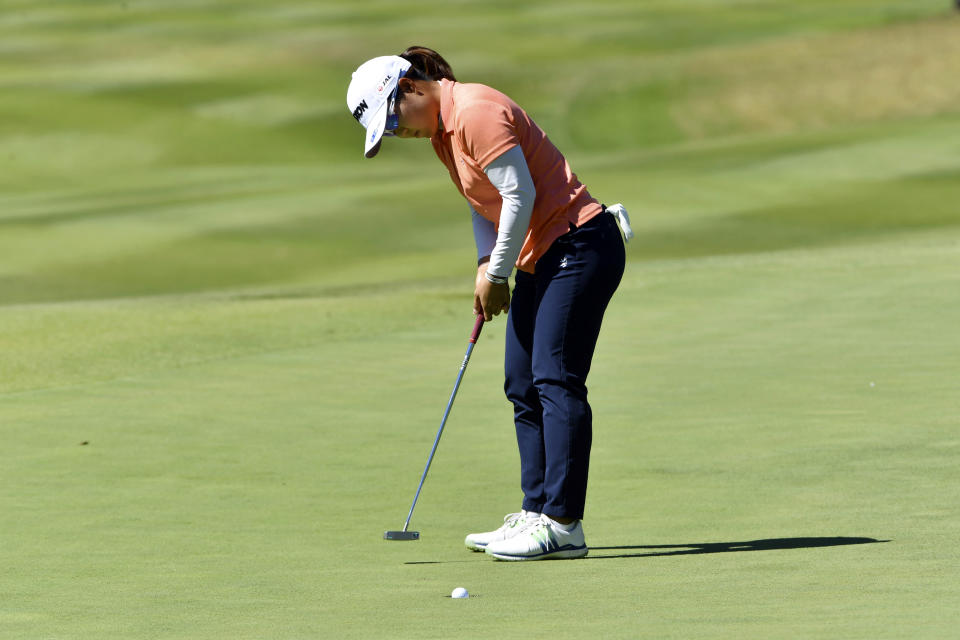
{"type": "Point", "coordinates": [226, 339]}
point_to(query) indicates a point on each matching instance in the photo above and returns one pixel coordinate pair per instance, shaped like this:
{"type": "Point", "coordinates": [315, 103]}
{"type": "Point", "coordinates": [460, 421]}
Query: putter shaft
{"type": "Point", "coordinates": [477, 327]}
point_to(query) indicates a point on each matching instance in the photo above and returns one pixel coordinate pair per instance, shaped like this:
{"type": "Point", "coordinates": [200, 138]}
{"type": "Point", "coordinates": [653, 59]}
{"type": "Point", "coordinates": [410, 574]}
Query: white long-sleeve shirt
{"type": "Point", "coordinates": [511, 176]}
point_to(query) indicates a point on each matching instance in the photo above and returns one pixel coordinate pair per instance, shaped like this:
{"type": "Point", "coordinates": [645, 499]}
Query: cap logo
{"type": "Point", "coordinates": [383, 85]}
{"type": "Point", "coordinates": [358, 112]}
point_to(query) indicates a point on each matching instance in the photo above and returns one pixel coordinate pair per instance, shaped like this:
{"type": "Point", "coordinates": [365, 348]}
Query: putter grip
{"type": "Point", "coordinates": [476, 330]}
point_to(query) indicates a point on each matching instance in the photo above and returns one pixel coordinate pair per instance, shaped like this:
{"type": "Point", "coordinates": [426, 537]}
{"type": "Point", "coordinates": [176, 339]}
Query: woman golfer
{"type": "Point", "coordinates": [529, 212]}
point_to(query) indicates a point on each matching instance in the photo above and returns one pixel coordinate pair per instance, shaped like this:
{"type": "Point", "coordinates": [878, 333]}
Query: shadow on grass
{"type": "Point", "coordinates": [726, 547]}
{"type": "Point", "coordinates": [772, 544]}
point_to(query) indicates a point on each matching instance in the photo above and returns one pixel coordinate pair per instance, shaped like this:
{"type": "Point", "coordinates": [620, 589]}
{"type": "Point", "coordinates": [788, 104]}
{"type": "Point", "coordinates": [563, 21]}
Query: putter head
{"type": "Point", "coordinates": [401, 535]}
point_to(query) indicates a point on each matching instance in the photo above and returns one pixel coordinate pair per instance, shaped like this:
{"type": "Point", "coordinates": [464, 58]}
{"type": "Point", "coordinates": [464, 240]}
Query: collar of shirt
{"type": "Point", "coordinates": [446, 109]}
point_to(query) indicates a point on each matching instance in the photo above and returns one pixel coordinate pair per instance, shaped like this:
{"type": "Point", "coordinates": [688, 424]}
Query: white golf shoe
{"type": "Point", "coordinates": [513, 524]}
{"type": "Point", "coordinates": [543, 540]}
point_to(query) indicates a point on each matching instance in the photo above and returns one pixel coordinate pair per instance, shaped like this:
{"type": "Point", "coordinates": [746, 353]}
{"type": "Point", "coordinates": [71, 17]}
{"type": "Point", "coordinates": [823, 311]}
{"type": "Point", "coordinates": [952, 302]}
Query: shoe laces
{"type": "Point", "coordinates": [551, 525]}
{"type": "Point", "coordinates": [520, 519]}
{"type": "Point", "coordinates": [541, 530]}
{"type": "Point", "coordinates": [543, 522]}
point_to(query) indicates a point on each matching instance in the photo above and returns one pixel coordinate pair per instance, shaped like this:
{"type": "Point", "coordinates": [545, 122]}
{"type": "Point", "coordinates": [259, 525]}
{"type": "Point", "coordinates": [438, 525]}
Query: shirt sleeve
{"type": "Point", "coordinates": [511, 176]}
{"type": "Point", "coordinates": [484, 234]}
{"type": "Point", "coordinates": [488, 129]}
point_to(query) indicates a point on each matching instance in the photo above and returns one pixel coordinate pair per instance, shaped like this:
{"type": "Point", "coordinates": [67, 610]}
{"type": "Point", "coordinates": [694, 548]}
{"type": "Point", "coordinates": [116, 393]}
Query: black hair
{"type": "Point", "coordinates": [426, 64]}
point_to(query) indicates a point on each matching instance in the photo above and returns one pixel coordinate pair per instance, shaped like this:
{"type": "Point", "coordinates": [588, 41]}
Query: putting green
{"type": "Point", "coordinates": [226, 340]}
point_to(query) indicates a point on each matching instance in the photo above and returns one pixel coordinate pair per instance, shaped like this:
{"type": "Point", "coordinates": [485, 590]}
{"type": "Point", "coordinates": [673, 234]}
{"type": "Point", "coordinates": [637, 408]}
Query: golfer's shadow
{"type": "Point", "coordinates": [771, 544]}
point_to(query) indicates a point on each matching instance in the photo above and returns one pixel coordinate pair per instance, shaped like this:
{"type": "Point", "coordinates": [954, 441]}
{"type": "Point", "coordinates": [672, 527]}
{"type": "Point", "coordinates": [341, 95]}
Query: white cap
{"type": "Point", "coordinates": [369, 96]}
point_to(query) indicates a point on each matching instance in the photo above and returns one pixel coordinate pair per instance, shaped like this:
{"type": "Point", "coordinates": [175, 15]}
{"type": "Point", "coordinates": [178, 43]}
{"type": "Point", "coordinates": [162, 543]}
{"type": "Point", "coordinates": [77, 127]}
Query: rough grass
{"type": "Point", "coordinates": [819, 81]}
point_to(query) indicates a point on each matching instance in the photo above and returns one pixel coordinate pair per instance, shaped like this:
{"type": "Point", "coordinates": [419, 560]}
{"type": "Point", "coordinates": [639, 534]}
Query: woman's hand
{"type": "Point", "coordinates": [489, 299]}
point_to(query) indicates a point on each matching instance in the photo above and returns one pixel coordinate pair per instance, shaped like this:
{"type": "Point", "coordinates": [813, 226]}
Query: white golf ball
{"type": "Point", "coordinates": [459, 592]}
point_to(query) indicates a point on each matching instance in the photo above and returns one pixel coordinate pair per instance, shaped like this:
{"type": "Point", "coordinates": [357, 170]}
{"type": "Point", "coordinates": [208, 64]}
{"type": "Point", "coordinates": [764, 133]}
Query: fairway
{"type": "Point", "coordinates": [227, 340]}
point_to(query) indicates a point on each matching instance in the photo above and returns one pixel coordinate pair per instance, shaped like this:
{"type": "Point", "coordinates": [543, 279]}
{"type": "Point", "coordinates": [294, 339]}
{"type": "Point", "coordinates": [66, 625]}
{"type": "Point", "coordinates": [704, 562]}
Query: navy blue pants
{"type": "Point", "coordinates": [552, 329]}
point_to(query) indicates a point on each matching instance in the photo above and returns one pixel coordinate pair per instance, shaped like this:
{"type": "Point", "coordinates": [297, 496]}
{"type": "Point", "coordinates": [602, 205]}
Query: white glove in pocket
{"type": "Point", "coordinates": [623, 220]}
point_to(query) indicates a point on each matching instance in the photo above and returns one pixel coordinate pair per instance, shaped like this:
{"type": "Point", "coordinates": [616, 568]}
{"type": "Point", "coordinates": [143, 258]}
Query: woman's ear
{"type": "Point", "coordinates": [407, 85]}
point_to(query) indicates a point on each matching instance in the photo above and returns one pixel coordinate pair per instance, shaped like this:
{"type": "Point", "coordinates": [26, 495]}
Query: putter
{"type": "Point", "coordinates": [415, 535]}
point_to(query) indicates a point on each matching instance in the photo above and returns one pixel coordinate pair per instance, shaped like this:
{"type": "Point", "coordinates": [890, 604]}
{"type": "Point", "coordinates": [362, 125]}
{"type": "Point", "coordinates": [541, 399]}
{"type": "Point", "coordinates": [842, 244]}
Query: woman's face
{"type": "Point", "coordinates": [418, 109]}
